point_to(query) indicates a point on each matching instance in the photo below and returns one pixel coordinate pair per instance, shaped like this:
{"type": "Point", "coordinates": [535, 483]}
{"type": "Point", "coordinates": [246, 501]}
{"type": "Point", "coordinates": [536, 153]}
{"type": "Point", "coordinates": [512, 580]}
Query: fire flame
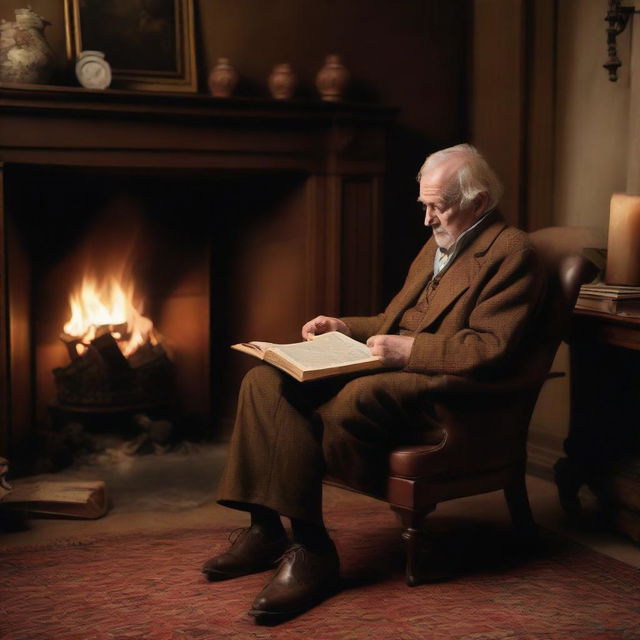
{"type": "Point", "coordinates": [110, 307]}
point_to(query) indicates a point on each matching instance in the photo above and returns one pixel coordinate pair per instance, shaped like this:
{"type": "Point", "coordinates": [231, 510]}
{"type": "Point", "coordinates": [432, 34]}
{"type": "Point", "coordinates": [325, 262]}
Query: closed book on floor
{"type": "Point", "coordinates": [329, 354]}
{"type": "Point", "coordinates": [71, 499]}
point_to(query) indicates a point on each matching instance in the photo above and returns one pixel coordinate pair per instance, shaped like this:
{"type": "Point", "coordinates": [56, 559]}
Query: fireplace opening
{"type": "Point", "coordinates": [203, 259]}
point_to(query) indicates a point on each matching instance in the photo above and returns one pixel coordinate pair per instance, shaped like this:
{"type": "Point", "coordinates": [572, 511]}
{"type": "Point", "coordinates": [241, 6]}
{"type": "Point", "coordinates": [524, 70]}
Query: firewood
{"type": "Point", "coordinates": [103, 377]}
{"type": "Point", "coordinates": [111, 355]}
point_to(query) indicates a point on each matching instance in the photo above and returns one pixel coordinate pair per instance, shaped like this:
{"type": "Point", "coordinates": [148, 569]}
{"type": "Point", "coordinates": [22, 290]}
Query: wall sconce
{"type": "Point", "coordinates": [617, 17]}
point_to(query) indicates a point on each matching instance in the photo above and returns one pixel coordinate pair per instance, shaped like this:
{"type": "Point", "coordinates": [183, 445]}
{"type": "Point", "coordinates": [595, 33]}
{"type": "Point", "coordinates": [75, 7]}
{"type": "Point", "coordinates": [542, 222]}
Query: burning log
{"type": "Point", "coordinates": [111, 356]}
{"type": "Point", "coordinates": [116, 358]}
{"type": "Point", "coordinates": [102, 376]}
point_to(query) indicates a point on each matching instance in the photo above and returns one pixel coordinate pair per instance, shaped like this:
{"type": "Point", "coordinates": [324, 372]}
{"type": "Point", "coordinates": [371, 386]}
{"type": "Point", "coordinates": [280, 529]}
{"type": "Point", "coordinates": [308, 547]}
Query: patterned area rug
{"type": "Point", "coordinates": [148, 586]}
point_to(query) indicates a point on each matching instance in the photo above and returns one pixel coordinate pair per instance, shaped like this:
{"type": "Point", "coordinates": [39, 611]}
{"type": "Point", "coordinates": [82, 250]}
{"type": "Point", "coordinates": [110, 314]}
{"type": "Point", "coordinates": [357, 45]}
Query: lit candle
{"type": "Point", "coordinates": [623, 247]}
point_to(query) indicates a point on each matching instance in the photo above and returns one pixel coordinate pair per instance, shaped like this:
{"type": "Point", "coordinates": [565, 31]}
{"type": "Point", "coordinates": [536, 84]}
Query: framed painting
{"type": "Point", "coordinates": [150, 44]}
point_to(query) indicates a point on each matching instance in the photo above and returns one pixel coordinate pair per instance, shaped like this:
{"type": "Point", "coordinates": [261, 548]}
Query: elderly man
{"type": "Point", "coordinates": [463, 309]}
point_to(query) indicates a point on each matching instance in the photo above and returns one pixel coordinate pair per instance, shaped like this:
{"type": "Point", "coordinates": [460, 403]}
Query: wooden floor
{"type": "Point", "coordinates": [175, 490]}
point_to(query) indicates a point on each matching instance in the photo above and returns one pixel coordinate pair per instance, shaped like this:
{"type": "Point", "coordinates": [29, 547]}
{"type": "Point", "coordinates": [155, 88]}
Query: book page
{"type": "Point", "coordinates": [326, 350]}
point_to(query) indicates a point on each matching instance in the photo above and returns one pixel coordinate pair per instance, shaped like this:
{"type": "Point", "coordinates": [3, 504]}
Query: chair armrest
{"type": "Point", "coordinates": [481, 432]}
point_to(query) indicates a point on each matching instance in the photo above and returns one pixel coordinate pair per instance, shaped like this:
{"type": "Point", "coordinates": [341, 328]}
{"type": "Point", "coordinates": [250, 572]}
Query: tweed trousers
{"type": "Point", "coordinates": [288, 436]}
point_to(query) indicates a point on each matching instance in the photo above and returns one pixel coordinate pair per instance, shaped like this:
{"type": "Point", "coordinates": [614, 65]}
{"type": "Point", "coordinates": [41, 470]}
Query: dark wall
{"type": "Point", "coordinates": [409, 54]}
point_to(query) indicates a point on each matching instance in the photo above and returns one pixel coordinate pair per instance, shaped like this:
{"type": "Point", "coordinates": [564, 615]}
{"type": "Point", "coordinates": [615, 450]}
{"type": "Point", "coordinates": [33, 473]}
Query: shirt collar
{"type": "Point", "coordinates": [444, 257]}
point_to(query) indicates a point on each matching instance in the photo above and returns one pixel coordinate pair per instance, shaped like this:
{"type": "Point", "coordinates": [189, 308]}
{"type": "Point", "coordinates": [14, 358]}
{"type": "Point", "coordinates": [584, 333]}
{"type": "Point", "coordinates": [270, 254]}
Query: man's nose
{"type": "Point", "coordinates": [429, 217]}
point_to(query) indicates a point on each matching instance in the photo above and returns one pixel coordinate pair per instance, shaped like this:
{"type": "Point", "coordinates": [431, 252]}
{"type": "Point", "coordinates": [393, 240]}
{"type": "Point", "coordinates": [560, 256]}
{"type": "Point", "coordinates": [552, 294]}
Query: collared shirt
{"type": "Point", "coordinates": [444, 257]}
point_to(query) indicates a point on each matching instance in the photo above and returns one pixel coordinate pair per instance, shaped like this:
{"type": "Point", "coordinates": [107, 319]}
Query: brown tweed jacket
{"type": "Point", "coordinates": [479, 311]}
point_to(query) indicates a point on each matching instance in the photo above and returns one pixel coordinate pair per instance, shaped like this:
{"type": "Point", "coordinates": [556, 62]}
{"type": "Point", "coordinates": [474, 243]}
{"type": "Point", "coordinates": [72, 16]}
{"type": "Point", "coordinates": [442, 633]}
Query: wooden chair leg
{"type": "Point", "coordinates": [413, 538]}
{"type": "Point", "coordinates": [518, 502]}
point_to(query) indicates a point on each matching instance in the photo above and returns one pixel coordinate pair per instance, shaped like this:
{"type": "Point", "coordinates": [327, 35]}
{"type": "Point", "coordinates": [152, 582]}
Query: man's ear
{"type": "Point", "coordinates": [480, 204]}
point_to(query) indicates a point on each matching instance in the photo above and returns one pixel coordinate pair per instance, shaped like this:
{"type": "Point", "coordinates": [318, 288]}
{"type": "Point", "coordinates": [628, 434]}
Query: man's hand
{"type": "Point", "coordinates": [323, 324]}
{"type": "Point", "coordinates": [394, 351]}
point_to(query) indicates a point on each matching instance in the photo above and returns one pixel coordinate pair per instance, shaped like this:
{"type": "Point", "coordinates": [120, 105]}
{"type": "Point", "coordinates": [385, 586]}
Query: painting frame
{"type": "Point", "coordinates": [175, 66]}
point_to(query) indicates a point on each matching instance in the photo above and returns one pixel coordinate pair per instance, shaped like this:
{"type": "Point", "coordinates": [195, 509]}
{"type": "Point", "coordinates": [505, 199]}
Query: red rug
{"type": "Point", "coordinates": [148, 586]}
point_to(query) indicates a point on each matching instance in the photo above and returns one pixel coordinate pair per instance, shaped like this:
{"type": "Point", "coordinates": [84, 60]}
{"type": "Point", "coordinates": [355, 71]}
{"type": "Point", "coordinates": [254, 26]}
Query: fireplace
{"type": "Point", "coordinates": [234, 220]}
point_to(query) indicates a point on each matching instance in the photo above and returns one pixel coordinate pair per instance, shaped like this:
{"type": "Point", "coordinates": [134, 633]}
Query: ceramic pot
{"type": "Point", "coordinates": [332, 79]}
{"type": "Point", "coordinates": [282, 82]}
{"type": "Point", "coordinates": [92, 70]}
{"type": "Point", "coordinates": [25, 54]}
{"type": "Point", "coordinates": [223, 79]}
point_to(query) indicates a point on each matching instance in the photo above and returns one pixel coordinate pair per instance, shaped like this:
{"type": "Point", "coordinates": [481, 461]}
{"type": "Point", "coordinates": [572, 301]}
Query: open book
{"type": "Point", "coordinates": [328, 354]}
{"type": "Point", "coordinates": [71, 499]}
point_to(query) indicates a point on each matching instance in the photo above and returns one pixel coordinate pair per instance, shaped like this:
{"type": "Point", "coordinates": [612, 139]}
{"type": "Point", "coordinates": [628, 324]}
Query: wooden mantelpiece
{"type": "Point", "coordinates": [77, 99]}
{"type": "Point", "coordinates": [203, 131]}
{"type": "Point", "coordinates": [338, 149]}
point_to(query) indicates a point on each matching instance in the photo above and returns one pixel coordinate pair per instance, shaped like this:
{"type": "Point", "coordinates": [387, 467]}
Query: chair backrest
{"type": "Point", "coordinates": [559, 249]}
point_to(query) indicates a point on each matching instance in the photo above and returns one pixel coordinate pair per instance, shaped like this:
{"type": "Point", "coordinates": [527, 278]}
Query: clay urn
{"type": "Point", "coordinates": [332, 79]}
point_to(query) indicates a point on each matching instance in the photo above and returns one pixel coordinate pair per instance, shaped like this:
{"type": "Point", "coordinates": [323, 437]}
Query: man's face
{"type": "Point", "coordinates": [445, 217]}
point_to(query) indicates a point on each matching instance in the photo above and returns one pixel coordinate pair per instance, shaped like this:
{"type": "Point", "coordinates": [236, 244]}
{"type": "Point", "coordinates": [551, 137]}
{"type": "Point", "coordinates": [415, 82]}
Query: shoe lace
{"type": "Point", "coordinates": [293, 551]}
{"type": "Point", "coordinates": [236, 534]}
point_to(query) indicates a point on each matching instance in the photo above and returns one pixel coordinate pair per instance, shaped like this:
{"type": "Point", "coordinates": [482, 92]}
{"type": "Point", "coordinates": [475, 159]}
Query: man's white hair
{"type": "Point", "coordinates": [473, 177]}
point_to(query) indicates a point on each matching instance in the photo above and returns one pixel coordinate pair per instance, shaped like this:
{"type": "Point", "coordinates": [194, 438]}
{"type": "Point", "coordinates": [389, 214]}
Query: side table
{"type": "Point", "coordinates": [603, 445]}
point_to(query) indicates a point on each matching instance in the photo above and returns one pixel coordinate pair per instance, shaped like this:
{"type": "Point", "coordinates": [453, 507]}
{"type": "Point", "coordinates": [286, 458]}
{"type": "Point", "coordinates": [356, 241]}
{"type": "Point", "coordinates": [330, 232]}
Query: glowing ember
{"type": "Point", "coordinates": [97, 309]}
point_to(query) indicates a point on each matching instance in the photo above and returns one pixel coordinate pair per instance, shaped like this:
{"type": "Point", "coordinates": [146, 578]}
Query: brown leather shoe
{"type": "Point", "coordinates": [251, 551]}
{"type": "Point", "coordinates": [304, 578]}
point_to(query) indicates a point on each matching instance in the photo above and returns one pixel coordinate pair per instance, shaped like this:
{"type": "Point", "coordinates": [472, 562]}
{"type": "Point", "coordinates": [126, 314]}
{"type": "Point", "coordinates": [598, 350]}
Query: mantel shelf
{"type": "Point", "coordinates": [79, 127]}
{"type": "Point", "coordinates": [76, 100]}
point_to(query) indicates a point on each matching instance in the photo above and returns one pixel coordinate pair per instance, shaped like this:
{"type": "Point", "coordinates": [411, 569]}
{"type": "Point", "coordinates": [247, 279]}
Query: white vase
{"type": "Point", "coordinates": [25, 54]}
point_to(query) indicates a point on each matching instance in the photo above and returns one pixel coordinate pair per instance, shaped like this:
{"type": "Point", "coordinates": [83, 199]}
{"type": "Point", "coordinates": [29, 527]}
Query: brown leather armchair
{"type": "Point", "coordinates": [486, 425]}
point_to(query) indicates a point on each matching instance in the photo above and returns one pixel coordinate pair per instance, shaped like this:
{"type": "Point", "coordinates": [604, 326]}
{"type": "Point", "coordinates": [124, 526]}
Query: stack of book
{"type": "Point", "coordinates": [619, 300]}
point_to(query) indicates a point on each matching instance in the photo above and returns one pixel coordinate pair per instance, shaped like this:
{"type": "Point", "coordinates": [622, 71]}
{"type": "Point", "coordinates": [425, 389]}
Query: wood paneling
{"type": "Point", "coordinates": [498, 92]}
{"type": "Point", "coordinates": [360, 257]}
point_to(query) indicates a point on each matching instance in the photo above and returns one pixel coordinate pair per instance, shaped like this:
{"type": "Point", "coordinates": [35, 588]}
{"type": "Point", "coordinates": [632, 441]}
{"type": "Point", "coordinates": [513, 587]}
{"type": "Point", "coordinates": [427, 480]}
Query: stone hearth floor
{"type": "Point", "coordinates": [176, 490]}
